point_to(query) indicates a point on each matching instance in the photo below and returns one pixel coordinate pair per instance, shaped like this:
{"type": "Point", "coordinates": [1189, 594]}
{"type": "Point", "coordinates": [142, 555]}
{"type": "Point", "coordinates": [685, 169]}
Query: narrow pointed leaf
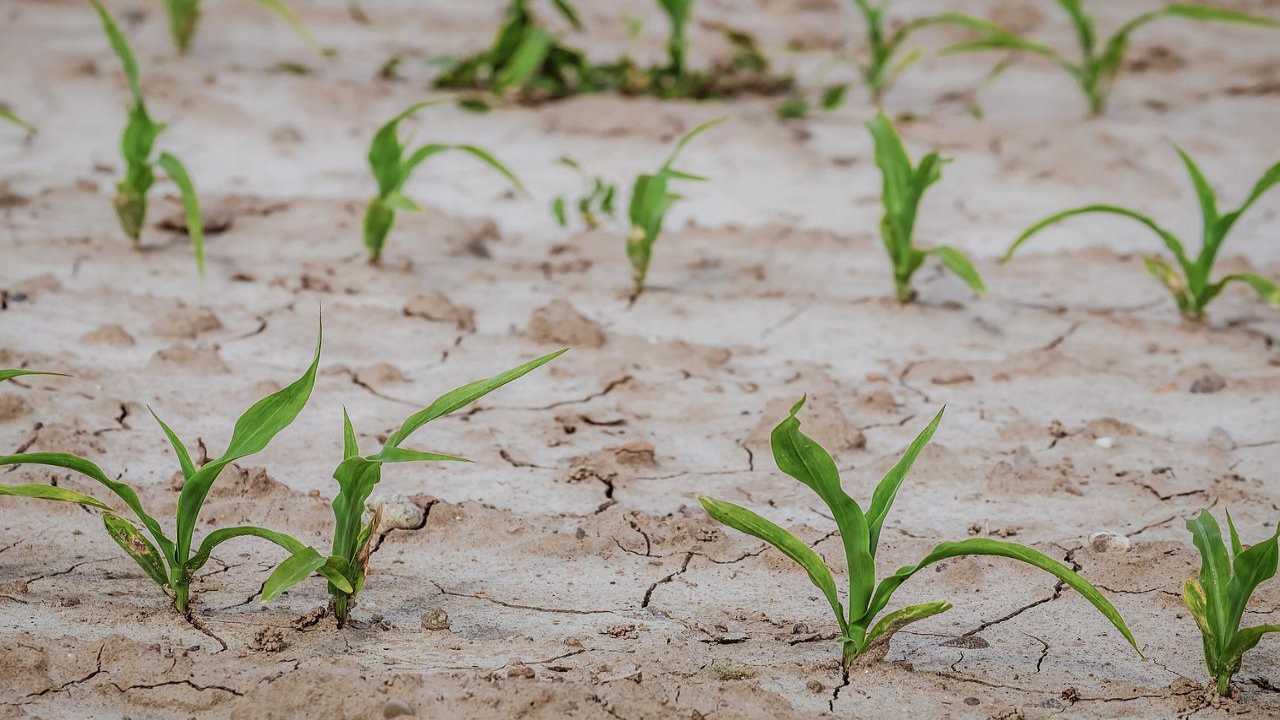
{"type": "Point", "coordinates": [122, 50]}
{"type": "Point", "coordinates": [461, 397]}
{"type": "Point", "coordinates": [958, 263]}
{"type": "Point", "coordinates": [137, 547]}
{"type": "Point", "coordinates": [1215, 572]}
{"type": "Point", "coordinates": [743, 520]}
{"type": "Point", "coordinates": [898, 619]}
{"type": "Point", "coordinates": [184, 458]}
{"type": "Point", "coordinates": [1170, 240]}
{"type": "Point", "coordinates": [350, 445]}
{"type": "Point", "coordinates": [190, 202]}
{"type": "Point", "coordinates": [887, 489]}
{"type": "Point", "coordinates": [9, 374]}
{"type": "Point", "coordinates": [39, 491]}
{"type": "Point", "coordinates": [405, 455]}
{"type": "Point", "coordinates": [290, 572]}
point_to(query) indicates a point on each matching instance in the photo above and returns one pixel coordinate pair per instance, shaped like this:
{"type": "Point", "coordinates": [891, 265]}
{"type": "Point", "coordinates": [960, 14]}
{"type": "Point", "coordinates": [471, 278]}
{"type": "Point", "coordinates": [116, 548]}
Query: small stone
{"type": "Point", "coordinates": [1105, 442]}
{"type": "Point", "coordinates": [520, 670]}
{"type": "Point", "coordinates": [800, 629]}
{"type": "Point", "coordinates": [580, 534]}
{"type": "Point", "coordinates": [1103, 542]}
{"type": "Point", "coordinates": [815, 687]}
{"type": "Point", "coordinates": [972, 701]}
{"type": "Point", "coordinates": [399, 513]}
{"type": "Point", "coordinates": [435, 618]}
{"type": "Point", "coordinates": [269, 640]}
{"type": "Point", "coordinates": [1210, 382]}
{"type": "Point", "coordinates": [398, 708]}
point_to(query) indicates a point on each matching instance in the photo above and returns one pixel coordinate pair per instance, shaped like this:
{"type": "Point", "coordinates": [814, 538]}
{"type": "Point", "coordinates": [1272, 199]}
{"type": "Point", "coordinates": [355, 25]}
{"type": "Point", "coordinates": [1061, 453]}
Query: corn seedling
{"type": "Point", "coordinates": [651, 198]}
{"type": "Point", "coordinates": [1190, 282]}
{"type": "Point", "coordinates": [525, 57]}
{"type": "Point", "coordinates": [136, 145]}
{"type": "Point", "coordinates": [169, 562]}
{"type": "Point", "coordinates": [1217, 599]}
{"type": "Point", "coordinates": [904, 187]}
{"type": "Point", "coordinates": [357, 475]}
{"type": "Point", "coordinates": [11, 117]}
{"type": "Point", "coordinates": [805, 460]}
{"type": "Point", "coordinates": [528, 62]}
{"type": "Point", "coordinates": [392, 169]}
{"type": "Point", "coordinates": [886, 59]}
{"type": "Point", "coordinates": [595, 201]}
{"type": "Point", "coordinates": [1099, 64]}
{"type": "Point", "coordinates": [184, 15]}
{"type": "Point", "coordinates": [9, 374]}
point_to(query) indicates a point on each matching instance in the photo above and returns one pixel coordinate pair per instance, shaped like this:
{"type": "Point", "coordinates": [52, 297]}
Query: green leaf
{"type": "Point", "coordinates": [404, 455]}
{"type": "Point", "coordinates": [532, 51]}
{"type": "Point", "coordinates": [461, 397]}
{"type": "Point", "coordinates": [184, 458]}
{"type": "Point", "coordinates": [90, 470]}
{"type": "Point", "coordinates": [290, 572]}
{"type": "Point", "coordinates": [743, 520]}
{"type": "Point", "coordinates": [11, 116]}
{"type": "Point", "coordinates": [834, 96]}
{"type": "Point", "coordinates": [1251, 568]}
{"type": "Point", "coordinates": [137, 547]}
{"type": "Point", "coordinates": [686, 139]}
{"type": "Point", "coordinates": [1204, 191]}
{"type": "Point", "coordinates": [221, 535]}
{"type": "Point", "coordinates": [1208, 13]}
{"type": "Point", "coordinates": [378, 219]}
{"type": "Point", "coordinates": [1193, 596]}
{"type": "Point", "coordinates": [396, 200]}
{"type": "Point", "coordinates": [9, 374]}
{"type": "Point", "coordinates": [1082, 22]}
{"type": "Point", "coordinates": [1170, 240]}
{"type": "Point", "coordinates": [190, 201]}
{"type": "Point", "coordinates": [959, 264]}
{"type": "Point", "coordinates": [569, 13]}
{"type": "Point", "coordinates": [1215, 572]}
{"type": "Point", "coordinates": [52, 492]}
{"type": "Point", "coordinates": [122, 50]}
{"type": "Point", "coordinates": [356, 478]}
{"type": "Point", "coordinates": [488, 159]}
{"type": "Point", "coordinates": [802, 458]}
{"type": "Point", "coordinates": [1269, 179]}
{"type": "Point", "coordinates": [1236, 547]}
{"type": "Point", "coordinates": [1266, 289]}
{"type": "Point", "coordinates": [255, 428]}
{"type": "Point", "coordinates": [985, 546]}
{"type": "Point", "coordinates": [887, 489]}
{"type": "Point", "coordinates": [350, 445]}
{"type": "Point", "coordinates": [385, 149]}
{"type": "Point", "coordinates": [898, 619]}
{"type": "Point", "coordinates": [558, 211]}
{"type": "Point", "coordinates": [279, 8]}
{"type": "Point", "coordinates": [1169, 277]}
{"type": "Point", "coordinates": [1244, 641]}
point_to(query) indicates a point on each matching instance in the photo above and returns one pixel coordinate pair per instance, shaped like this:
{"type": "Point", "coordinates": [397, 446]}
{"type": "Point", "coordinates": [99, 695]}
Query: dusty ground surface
{"type": "Point", "coordinates": [579, 577]}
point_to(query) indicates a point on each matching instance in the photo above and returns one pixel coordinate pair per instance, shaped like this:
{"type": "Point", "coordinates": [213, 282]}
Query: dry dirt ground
{"type": "Point", "coordinates": [578, 574]}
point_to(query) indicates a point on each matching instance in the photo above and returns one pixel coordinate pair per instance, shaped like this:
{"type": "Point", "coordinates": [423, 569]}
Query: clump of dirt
{"type": "Point", "coordinates": [560, 323]}
{"type": "Point", "coordinates": [110, 335]}
{"type": "Point", "coordinates": [433, 305]}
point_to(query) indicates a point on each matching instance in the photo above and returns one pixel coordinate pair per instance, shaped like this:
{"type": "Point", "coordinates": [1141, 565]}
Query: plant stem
{"type": "Point", "coordinates": [848, 653]}
{"type": "Point", "coordinates": [181, 597]}
{"type": "Point", "coordinates": [341, 606]}
{"type": "Point", "coordinates": [1224, 684]}
{"type": "Point", "coordinates": [905, 293]}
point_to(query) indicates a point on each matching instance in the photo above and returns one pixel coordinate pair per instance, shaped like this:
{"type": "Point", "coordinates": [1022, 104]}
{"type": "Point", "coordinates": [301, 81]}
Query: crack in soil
{"type": "Point", "coordinates": [835, 693]}
{"type": "Point", "coordinates": [608, 388]}
{"type": "Point", "coordinates": [518, 606]}
{"type": "Point", "coordinates": [199, 625]}
{"type": "Point", "coordinates": [188, 682]}
{"type": "Point", "coordinates": [684, 565]}
{"type": "Point", "coordinates": [52, 690]}
{"type": "Point", "coordinates": [69, 570]}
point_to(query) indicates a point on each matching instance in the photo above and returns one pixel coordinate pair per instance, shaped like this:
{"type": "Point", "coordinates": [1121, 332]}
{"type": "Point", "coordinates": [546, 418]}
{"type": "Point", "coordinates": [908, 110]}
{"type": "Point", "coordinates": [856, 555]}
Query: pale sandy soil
{"type": "Point", "coordinates": [579, 576]}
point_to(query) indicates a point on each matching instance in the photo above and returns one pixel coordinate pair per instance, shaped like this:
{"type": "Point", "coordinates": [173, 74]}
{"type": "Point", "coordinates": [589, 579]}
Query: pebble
{"type": "Point", "coordinates": [435, 618]}
{"type": "Point", "coordinates": [1105, 442]}
{"type": "Point", "coordinates": [398, 708]}
{"type": "Point", "coordinates": [1210, 382]}
{"type": "Point", "coordinates": [1103, 541]}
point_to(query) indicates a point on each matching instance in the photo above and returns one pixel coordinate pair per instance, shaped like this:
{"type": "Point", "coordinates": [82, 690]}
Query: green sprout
{"type": "Point", "coordinates": [886, 60]}
{"type": "Point", "coordinates": [678, 13]}
{"type": "Point", "coordinates": [7, 114]}
{"type": "Point", "coordinates": [9, 374]}
{"type": "Point", "coordinates": [1190, 282]}
{"type": "Point", "coordinates": [805, 460]}
{"type": "Point", "coordinates": [1217, 599]}
{"type": "Point", "coordinates": [595, 201]}
{"type": "Point", "coordinates": [184, 15]}
{"type": "Point", "coordinates": [171, 563]}
{"type": "Point", "coordinates": [904, 187]}
{"type": "Point", "coordinates": [1099, 65]}
{"type": "Point", "coordinates": [524, 57]}
{"type": "Point", "coordinates": [357, 475]}
{"type": "Point", "coordinates": [651, 198]}
{"type": "Point", "coordinates": [392, 169]}
{"type": "Point", "coordinates": [136, 145]}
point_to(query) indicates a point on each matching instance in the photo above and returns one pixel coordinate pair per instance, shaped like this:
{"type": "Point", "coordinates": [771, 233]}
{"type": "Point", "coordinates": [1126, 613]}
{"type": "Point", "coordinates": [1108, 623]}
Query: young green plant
{"type": "Point", "coordinates": [595, 201]}
{"type": "Point", "coordinates": [525, 58]}
{"type": "Point", "coordinates": [136, 145]}
{"type": "Point", "coordinates": [1218, 597]}
{"type": "Point", "coordinates": [1099, 64]}
{"type": "Point", "coordinates": [886, 59]}
{"type": "Point", "coordinates": [8, 115]}
{"type": "Point", "coordinates": [904, 187]}
{"type": "Point", "coordinates": [678, 14]}
{"type": "Point", "coordinates": [171, 563]}
{"type": "Point", "coordinates": [184, 15]}
{"type": "Point", "coordinates": [353, 537]}
{"type": "Point", "coordinates": [392, 169]}
{"type": "Point", "coordinates": [651, 198]}
{"type": "Point", "coordinates": [861, 635]}
{"type": "Point", "coordinates": [1190, 282]}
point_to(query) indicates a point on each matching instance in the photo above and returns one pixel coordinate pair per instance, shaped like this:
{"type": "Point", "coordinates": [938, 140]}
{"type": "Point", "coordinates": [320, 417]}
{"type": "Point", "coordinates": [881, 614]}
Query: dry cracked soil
{"type": "Point", "coordinates": [569, 571]}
